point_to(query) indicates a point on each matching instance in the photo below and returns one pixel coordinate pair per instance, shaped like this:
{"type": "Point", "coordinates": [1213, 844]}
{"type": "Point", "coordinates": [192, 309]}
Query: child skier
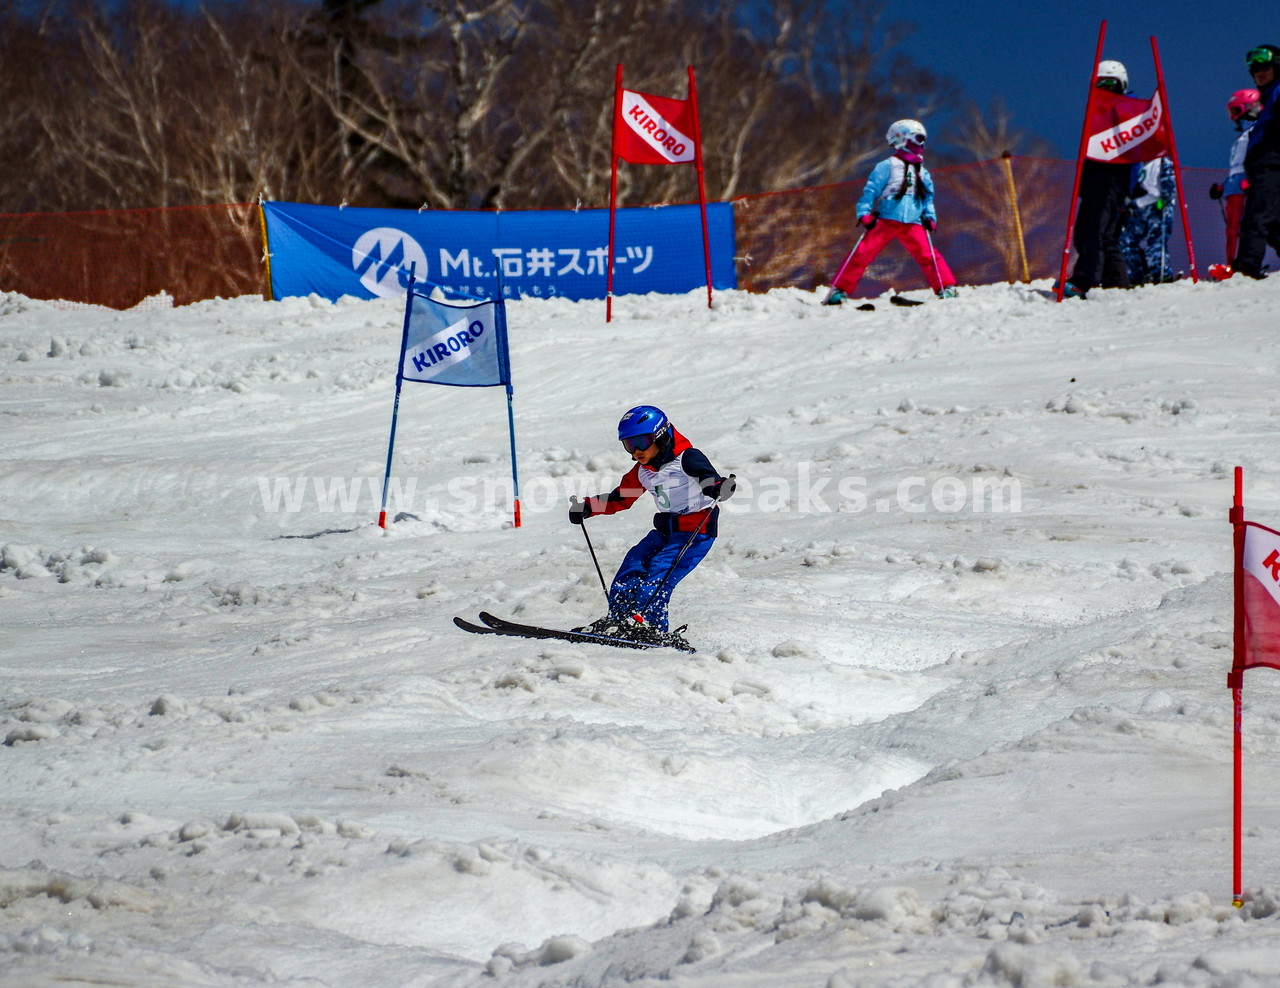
{"type": "Point", "coordinates": [897, 204]}
{"type": "Point", "coordinates": [1148, 223]}
{"type": "Point", "coordinates": [1243, 108]}
{"type": "Point", "coordinates": [686, 488]}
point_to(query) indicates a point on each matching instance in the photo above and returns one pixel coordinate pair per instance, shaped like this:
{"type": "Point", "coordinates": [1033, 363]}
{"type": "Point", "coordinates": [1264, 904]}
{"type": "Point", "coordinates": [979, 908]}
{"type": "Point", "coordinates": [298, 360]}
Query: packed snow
{"type": "Point", "coordinates": [958, 714]}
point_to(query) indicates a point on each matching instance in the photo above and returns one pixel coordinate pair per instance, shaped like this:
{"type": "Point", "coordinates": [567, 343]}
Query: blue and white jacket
{"type": "Point", "coordinates": [1235, 170]}
{"type": "Point", "coordinates": [1154, 183]}
{"type": "Point", "coordinates": [684, 486]}
{"type": "Point", "coordinates": [898, 190]}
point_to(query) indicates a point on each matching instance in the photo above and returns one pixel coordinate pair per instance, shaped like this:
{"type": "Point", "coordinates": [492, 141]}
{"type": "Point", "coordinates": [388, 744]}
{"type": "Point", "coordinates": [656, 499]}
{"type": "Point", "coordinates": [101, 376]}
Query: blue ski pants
{"type": "Point", "coordinates": [638, 586]}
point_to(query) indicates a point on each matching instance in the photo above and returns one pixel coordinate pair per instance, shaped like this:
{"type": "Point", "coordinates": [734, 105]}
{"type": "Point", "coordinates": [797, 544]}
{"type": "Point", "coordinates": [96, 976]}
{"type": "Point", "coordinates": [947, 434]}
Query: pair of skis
{"type": "Point", "coordinates": [494, 625]}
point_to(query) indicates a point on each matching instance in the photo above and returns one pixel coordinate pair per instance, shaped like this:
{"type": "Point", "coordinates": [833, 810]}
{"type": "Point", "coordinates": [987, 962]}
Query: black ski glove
{"type": "Point", "coordinates": [579, 511]}
{"type": "Point", "coordinates": [1215, 191]}
{"type": "Point", "coordinates": [723, 488]}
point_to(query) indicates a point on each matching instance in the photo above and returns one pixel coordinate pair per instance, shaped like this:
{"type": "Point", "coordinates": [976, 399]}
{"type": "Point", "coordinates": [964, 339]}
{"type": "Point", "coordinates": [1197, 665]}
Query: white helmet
{"type": "Point", "coordinates": [901, 132]}
{"type": "Point", "coordinates": [1111, 69]}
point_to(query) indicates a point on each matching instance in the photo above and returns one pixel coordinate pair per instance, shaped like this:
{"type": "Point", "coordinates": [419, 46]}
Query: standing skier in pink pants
{"type": "Point", "coordinates": [897, 204]}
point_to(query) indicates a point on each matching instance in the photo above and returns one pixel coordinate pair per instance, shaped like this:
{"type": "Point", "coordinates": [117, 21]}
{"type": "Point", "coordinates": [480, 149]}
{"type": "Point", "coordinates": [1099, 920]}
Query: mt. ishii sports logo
{"type": "Point", "coordinates": [383, 258]}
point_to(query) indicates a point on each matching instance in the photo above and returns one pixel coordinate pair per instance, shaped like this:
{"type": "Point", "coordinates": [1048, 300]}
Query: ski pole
{"type": "Point", "coordinates": [679, 555]}
{"type": "Point", "coordinates": [849, 257]}
{"type": "Point", "coordinates": [1164, 248]}
{"type": "Point", "coordinates": [591, 549]}
{"type": "Point", "coordinates": [934, 254]}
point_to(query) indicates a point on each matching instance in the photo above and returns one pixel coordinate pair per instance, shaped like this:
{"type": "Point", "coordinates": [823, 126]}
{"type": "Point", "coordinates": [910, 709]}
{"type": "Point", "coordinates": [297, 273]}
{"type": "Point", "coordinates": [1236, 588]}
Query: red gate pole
{"type": "Point", "coordinates": [1235, 680]}
{"type": "Point", "coordinates": [702, 185]}
{"type": "Point", "coordinates": [613, 192]}
{"type": "Point", "coordinates": [1173, 154]}
{"type": "Point", "coordinates": [1084, 144]}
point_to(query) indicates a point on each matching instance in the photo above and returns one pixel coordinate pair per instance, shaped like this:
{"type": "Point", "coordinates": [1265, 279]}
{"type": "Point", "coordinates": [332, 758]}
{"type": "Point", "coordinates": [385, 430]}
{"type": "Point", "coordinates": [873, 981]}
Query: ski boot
{"type": "Point", "coordinates": [835, 297]}
{"type": "Point", "coordinates": [635, 629]}
{"type": "Point", "coordinates": [610, 626]}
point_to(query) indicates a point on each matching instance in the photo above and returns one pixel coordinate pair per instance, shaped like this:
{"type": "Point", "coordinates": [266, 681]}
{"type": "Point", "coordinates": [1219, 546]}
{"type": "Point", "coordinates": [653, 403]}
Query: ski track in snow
{"type": "Point", "coordinates": [917, 746]}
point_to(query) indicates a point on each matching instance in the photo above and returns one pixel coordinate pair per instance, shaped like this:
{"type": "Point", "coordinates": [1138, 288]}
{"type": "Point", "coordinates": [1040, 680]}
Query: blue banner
{"type": "Point", "coordinates": [462, 345]}
{"type": "Point", "coordinates": [368, 253]}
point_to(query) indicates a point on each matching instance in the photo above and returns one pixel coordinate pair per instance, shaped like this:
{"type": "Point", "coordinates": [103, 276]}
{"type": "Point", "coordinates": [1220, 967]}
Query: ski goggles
{"type": "Point", "coordinates": [1111, 85]}
{"type": "Point", "coordinates": [637, 444]}
{"type": "Point", "coordinates": [1260, 58]}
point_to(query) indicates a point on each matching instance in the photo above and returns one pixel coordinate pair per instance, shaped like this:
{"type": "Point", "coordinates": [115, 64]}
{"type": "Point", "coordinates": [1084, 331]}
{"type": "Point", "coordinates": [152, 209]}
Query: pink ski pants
{"type": "Point", "coordinates": [912, 236]}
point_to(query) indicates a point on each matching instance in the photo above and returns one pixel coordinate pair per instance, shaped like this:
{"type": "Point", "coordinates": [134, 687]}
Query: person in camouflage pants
{"type": "Point", "coordinates": [1148, 223]}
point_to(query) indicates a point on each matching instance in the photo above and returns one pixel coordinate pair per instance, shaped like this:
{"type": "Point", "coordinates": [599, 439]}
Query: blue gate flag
{"type": "Point", "coordinates": [463, 345]}
{"type": "Point", "coordinates": [546, 253]}
{"type": "Point", "coordinates": [450, 343]}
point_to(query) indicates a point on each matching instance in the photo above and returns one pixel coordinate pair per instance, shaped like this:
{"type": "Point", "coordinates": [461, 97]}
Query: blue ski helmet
{"type": "Point", "coordinates": [642, 426]}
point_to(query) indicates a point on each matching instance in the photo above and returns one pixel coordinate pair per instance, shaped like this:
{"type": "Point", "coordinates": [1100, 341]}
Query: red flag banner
{"type": "Point", "coordinates": [1124, 130]}
{"type": "Point", "coordinates": [655, 130]}
{"type": "Point", "coordinates": [1261, 591]}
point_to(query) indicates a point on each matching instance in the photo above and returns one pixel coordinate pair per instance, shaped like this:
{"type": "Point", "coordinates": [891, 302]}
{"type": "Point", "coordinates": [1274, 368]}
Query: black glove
{"type": "Point", "coordinates": [929, 224]}
{"type": "Point", "coordinates": [1215, 190]}
{"type": "Point", "coordinates": [723, 488]}
{"type": "Point", "coordinates": [579, 511]}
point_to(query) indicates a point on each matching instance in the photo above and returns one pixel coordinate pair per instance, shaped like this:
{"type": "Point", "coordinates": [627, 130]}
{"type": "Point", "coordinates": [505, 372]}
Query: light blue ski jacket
{"type": "Point", "coordinates": [880, 194]}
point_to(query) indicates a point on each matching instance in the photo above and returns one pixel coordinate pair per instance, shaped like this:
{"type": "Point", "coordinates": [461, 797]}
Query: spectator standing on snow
{"type": "Point", "coordinates": [1148, 223]}
{"type": "Point", "coordinates": [1104, 191]}
{"type": "Point", "coordinates": [1243, 108]}
{"type": "Point", "coordinates": [1260, 225]}
{"type": "Point", "coordinates": [685, 487]}
{"type": "Point", "coordinates": [897, 204]}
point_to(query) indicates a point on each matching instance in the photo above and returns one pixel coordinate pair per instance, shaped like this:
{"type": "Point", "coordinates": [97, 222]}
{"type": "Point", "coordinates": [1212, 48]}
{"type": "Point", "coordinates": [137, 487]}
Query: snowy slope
{"type": "Point", "coordinates": [958, 714]}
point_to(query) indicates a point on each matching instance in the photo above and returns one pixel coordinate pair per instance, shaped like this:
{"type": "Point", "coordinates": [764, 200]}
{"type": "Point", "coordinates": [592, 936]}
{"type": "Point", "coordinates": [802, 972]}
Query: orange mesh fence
{"type": "Point", "coordinates": [118, 258]}
{"type": "Point", "coordinates": [999, 220]}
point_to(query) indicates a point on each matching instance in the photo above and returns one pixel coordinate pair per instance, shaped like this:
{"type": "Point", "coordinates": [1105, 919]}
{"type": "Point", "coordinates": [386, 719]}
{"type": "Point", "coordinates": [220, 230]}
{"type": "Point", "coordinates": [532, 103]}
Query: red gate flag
{"type": "Point", "coordinates": [655, 130]}
{"type": "Point", "coordinates": [1260, 565]}
{"type": "Point", "coordinates": [1124, 130]}
{"type": "Point", "coordinates": [1256, 642]}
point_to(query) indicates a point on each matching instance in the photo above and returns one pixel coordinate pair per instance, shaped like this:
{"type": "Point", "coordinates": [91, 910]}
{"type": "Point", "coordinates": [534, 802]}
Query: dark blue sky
{"type": "Point", "coordinates": [1038, 56]}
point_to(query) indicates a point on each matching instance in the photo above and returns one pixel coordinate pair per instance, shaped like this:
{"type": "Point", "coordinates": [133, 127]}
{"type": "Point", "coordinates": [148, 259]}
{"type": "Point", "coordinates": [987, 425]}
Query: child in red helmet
{"type": "Point", "coordinates": [685, 487]}
{"type": "Point", "coordinates": [1243, 108]}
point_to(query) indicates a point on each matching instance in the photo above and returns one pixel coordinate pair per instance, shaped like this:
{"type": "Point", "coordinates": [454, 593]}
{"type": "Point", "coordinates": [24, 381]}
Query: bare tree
{"type": "Point", "coordinates": [991, 133]}
{"type": "Point", "coordinates": [994, 203]}
{"type": "Point", "coordinates": [21, 89]}
{"type": "Point", "coordinates": [452, 103]}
